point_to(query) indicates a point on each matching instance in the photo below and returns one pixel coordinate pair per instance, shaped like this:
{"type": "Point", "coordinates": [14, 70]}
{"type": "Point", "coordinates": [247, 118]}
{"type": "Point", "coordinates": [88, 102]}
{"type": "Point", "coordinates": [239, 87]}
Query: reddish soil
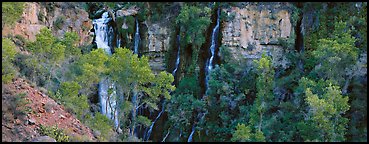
{"type": "Point", "coordinates": [16, 127]}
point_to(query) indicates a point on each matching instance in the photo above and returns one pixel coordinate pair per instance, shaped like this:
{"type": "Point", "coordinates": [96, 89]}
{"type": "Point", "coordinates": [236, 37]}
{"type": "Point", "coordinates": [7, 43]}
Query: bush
{"type": "Point", "coordinates": [59, 22]}
{"type": "Point", "coordinates": [11, 12]}
{"type": "Point", "coordinates": [102, 124]}
{"type": "Point", "coordinates": [78, 138]}
{"type": "Point", "coordinates": [8, 54]}
{"type": "Point", "coordinates": [21, 38]}
{"type": "Point", "coordinates": [69, 97]}
{"type": "Point", "coordinates": [287, 43]}
{"type": "Point", "coordinates": [54, 132]}
{"type": "Point", "coordinates": [21, 102]}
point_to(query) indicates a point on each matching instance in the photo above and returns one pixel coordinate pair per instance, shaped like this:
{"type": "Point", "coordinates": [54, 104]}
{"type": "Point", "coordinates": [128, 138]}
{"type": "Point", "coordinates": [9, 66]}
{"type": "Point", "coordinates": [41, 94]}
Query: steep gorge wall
{"type": "Point", "coordinates": [255, 28]}
{"type": "Point", "coordinates": [38, 15]}
{"type": "Point", "coordinates": [155, 35]}
{"type": "Point", "coordinates": [157, 44]}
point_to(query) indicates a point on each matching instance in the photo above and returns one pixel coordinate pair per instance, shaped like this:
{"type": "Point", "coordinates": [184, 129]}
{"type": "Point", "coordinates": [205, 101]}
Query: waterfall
{"type": "Point", "coordinates": [199, 119]}
{"type": "Point", "coordinates": [180, 135]}
{"type": "Point", "coordinates": [214, 39]}
{"type": "Point", "coordinates": [137, 37]}
{"type": "Point", "coordinates": [134, 113]}
{"type": "Point", "coordinates": [152, 125]}
{"type": "Point", "coordinates": [107, 101]}
{"type": "Point", "coordinates": [118, 41]}
{"type": "Point", "coordinates": [193, 131]}
{"type": "Point", "coordinates": [166, 135]}
{"type": "Point", "coordinates": [101, 32]}
{"type": "Point", "coordinates": [177, 61]}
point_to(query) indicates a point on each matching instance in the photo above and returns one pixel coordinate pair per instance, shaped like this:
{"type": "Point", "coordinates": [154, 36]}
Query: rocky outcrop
{"type": "Point", "coordinates": [127, 12]}
{"type": "Point", "coordinates": [44, 139]}
{"type": "Point", "coordinates": [60, 17]}
{"type": "Point", "coordinates": [157, 43]}
{"type": "Point", "coordinates": [256, 27]}
{"type": "Point", "coordinates": [28, 26]}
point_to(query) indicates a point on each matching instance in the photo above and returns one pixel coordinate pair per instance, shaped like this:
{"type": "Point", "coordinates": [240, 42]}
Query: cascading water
{"type": "Point", "coordinates": [118, 42]}
{"type": "Point", "coordinates": [107, 101]}
{"type": "Point", "coordinates": [137, 110]}
{"type": "Point", "coordinates": [214, 39]}
{"type": "Point", "coordinates": [166, 136]}
{"type": "Point", "coordinates": [193, 131]}
{"type": "Point", "coordinates": [137, 37]}
{"type": "Point", "coordinates": [200, 118]}
{"type": "Point", "coordinates": [134, 113]}
{"type": "Point", "coordinates": [101, 32]}
{"type": "Point", "coordinates": [134, 98]}
{"type": "Point", "coordinates": [152, 125]}
{"type": "Point", "coordinates": [177, 61]}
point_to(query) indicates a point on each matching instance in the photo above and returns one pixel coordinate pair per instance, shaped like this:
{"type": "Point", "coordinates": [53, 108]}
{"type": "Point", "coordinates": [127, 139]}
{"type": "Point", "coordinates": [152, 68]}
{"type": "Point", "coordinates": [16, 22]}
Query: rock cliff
{"type": "Point", "coordinates": [60, 17]}
{"type": "Point", "coordinates": [253, 28]}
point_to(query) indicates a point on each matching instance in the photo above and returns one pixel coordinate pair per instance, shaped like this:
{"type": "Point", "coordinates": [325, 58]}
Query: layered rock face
{"type": "Point", "coordinates": [60, 17]}
{"type": "Point", "coordinates": [158, 37]}
{"type": "Point", "coordinates": [155, 37]}
{"type": "Point", "coordinates": [254, 28]}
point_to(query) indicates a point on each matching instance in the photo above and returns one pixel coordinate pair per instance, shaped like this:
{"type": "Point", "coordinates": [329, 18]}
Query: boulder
{"type": "Point", "coordinates": [43, 139]}
{"type": "Point", "coordinates": [96, 133]}
{"type": "Point", "coordinates": [31, 121]}
{"type": "Point", "coordinates": [127, 12]}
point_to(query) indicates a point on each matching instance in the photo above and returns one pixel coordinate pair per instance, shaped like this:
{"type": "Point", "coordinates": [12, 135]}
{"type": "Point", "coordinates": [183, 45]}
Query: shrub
{"type": "Point", "coordinates": [21, 102]}
{"type": "Point", "coordinates": [78, 138]}
{"type": "Point", "coordinates": [21, 38]}
{"type": "Point", "coordinates": [59, 22]}
{"type": "Point", "coordinates": [7, 56]}
{"type": "Point", "coordinates": [54, 132]}
{"type": "Point", "coordinates": [11, 12]}
{"type": "Point", "coordinates": [102, 124]}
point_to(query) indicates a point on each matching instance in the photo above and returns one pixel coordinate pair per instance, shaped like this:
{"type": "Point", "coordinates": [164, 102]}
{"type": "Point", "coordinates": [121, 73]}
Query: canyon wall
{"type": "Point", "coordinates": [61, 17]}
{"type": "Point", "coordinates": [254, 28]}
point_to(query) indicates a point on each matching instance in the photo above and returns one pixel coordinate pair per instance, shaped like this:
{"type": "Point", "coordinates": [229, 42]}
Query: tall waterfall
{"type": "Point", "coordinates": [152, 125]}
{"type": "Point", "coordinates": [214, 39]}
{"type": "Point", "coordinates": [107, 101]}
{"type": "Point", "coordinates": [137, 37]}
{"type": "Point", "coordinates": [177, 61]}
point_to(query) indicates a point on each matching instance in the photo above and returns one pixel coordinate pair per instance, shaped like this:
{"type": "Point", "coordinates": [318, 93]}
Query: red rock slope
{"type": "Point", "coordinates": [23, 127]}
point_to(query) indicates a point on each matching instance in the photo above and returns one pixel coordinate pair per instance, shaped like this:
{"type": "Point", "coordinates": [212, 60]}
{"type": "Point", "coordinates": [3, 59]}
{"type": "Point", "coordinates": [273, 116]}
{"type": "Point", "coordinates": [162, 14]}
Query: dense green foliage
{"type": "Point", "coordinates": [101, 124]}
{"type": "Point", "coordinates": [11, 12]}
{"type": "Point", "coordinates": [318, 95]}
{"type": "Point", "coordinates": [8, 53]}
{"type": "Point", "coordinates": [193, 20]}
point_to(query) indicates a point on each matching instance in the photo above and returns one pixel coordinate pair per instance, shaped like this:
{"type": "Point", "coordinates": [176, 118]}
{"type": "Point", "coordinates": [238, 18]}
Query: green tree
{"type": "Point", "coordinates": [71, 98]}
{"type": "Point", "coordinates": [71, 40]}
{"type": "Point", "coordinates": [336, 55]}
{"type": "Point", "coordinates": [134, 77]}
{"type": "Point", "coordinates": [8, 54]}
{"type": "Point", "coordinates": [48, 54]}
{"type": "Point", "coordinates": [262, 103]}
{"type": "Point", "coordinates": [325, 114]}
{"type": "Point", "coordinates": [193, 22]}
{"type": "Point", "coordinates": [90, 68]}
{"type": "Point", "coordinates": [243, 134]}
{"type": "Point", "coordinates": [102, 124]}
{"type": "Point", "coordinates": [264, 96]}
{"type": "Point", "coordinates": [226, 102]}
